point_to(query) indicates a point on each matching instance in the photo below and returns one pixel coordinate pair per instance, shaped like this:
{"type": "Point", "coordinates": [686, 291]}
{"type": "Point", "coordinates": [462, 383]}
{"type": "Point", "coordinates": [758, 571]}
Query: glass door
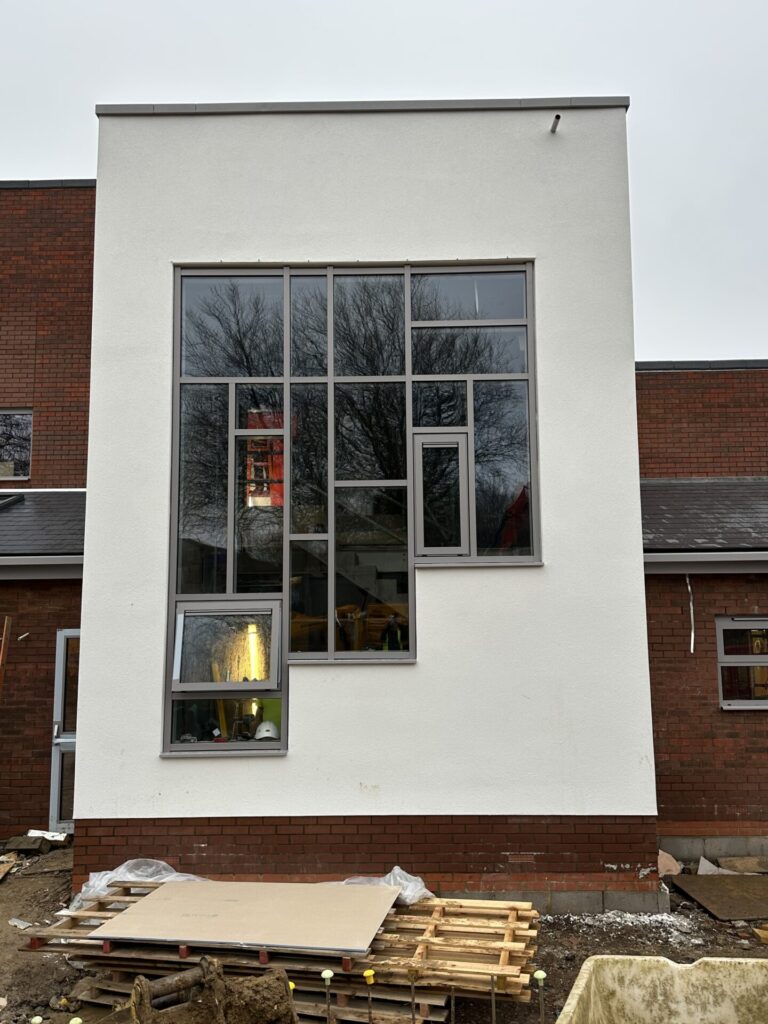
{"type": "Point", "coordinates": [61, 816]}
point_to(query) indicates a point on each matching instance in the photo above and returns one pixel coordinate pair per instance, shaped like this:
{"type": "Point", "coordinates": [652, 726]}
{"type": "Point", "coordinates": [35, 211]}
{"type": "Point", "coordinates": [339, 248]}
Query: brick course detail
{"type": "Point", "coordinates": [46, 270]}
{"type": "Point", "coordinates": [452, 852]}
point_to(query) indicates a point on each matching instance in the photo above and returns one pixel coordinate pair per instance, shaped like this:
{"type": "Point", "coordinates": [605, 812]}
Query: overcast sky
{"type": "Point", "coordinates": [696, 72]}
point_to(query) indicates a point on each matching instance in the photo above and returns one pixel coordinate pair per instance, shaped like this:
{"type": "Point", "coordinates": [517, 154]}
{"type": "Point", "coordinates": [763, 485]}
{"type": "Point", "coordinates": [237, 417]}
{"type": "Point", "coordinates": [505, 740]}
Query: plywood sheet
{"type": "Point", "coordinates": [728, 897]}
{"type": "Point", "coordinates": [272, 915]}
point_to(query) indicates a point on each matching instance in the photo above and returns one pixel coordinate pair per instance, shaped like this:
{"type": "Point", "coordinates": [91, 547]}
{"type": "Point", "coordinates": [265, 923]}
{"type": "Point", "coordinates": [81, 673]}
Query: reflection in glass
{"type": "Point", "coordinates": [255, 720]}
{"type": "Point", "coordinates": [232, 327]}
{"type": "Point", "coordinates": [309, 595]}
{"type": "Point", "coordinates": [441, 495]}
{"type": "Point", "coordinates": [15, 443]}
{"type": "Point", "coordinates": [439, 403]}
{"type": "Point", "coordinates": [370, 431]}
{"type": "Point", "coordinates": [469, 350]}
{"type": "Point", "coordinates": [226, 648]}
{"type": "Point", "coordinates": [502, 468]}
{"type": "Point", "coordinates": [745, 641]}
{"type": "Point", "coordinates": [368, 325]}
{"type": "Point", "coordinates": [67, 785]}
{"type": "Point", "coordinates": [744, 682]}
{"type": "Point", "coordinates": [259, 515]}
{"type": "Point", "coordinates": [202, 533]}
{"type": "Point", "coordinates": [259, 407]}
{"type": "Point", "coordinates": [71, 671]}
{"type": "Point", "coordinates": [371, 569]}
{"type": "Point", "coordinates": [309, 458]}
{"type": "Point", "coordinates": [309, 326]}
{"type": "Point", "coordinates": [497, 295]}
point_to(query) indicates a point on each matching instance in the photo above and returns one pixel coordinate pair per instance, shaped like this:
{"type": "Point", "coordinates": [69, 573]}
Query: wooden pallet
{"type": "Point", "coordinates": [473, 946]}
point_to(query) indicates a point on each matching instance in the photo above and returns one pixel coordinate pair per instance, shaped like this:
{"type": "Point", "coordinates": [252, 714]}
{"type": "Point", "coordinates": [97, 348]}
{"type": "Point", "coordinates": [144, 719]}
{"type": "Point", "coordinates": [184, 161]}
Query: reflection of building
{"type": "Point", "coordinates": [356, 501]}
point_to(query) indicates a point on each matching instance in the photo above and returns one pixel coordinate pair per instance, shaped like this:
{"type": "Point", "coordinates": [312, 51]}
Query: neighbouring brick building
{"type": "Point", "coordinates": [703, 437]}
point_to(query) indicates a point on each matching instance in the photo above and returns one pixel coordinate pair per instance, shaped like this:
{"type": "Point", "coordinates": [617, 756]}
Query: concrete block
{"type": "Point", "coordinates": [637, 902]}
{"type": "Point", "coordinates": [577, 902]}
{"type": "Point", "coordinates": [539, 898]}
{"type": "Point", "coordinates": [683, 847]}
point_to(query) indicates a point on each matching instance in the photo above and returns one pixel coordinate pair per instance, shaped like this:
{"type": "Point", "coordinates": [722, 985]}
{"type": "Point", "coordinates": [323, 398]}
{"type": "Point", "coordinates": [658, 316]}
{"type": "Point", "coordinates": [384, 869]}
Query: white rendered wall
{"type": "Point", "coordinates": [531, 691]}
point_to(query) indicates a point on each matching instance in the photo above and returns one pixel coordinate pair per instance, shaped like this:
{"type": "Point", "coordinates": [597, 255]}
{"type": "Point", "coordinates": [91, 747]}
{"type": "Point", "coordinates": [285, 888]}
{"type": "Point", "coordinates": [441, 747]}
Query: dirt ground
{"type": "Point", "coordinates": [28, 980]}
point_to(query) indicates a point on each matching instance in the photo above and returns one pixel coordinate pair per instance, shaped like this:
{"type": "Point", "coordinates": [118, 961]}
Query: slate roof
{"type": "Point", "coordinates": [44, 523]}
{"type": "Point", "coordinates": [705, 515]}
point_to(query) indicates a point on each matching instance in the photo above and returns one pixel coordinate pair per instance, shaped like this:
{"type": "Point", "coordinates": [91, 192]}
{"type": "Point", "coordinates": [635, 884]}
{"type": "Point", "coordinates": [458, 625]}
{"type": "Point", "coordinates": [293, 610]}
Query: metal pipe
{"type": "Point", "coordinates": [555, 124]}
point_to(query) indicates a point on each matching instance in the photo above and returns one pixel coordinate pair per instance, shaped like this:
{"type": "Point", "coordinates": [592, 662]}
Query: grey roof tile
{"type": "Point", "coordinates": [44, 523]}
{"type": "Point", "coordinates": [705, 515]}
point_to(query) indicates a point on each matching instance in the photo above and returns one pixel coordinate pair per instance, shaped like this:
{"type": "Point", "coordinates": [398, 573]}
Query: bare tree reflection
{"type": "Point", "coordinates": [15, 443]}
{"type": "Point", "coordinates": [309, 458]}
{"type": "Point", "coordinates": [309, 326]}
{"type": "Point", "coordinates": [370, 431]}
{"type": "Point", "coordinates": [369, 325]}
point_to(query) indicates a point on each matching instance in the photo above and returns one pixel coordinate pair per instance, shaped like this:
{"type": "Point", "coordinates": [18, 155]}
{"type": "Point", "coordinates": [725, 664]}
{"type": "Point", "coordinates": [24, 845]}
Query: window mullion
{"type": "Point", "coordinates": [331, 478]}
{"type": "Point", "coordinates": [232, 421]}
{"type": "Point", "coordinates": [471, 468]}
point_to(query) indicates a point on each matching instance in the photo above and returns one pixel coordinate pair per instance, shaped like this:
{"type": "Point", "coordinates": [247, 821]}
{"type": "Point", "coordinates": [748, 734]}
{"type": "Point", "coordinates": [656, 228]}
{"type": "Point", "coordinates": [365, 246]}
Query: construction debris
{"type": "Point", "coordinates": [668, 865]}
{"type": "Point", "coordinates": [7, 863]}
{"type": "Point", "coordinates": [745, 865]}
{"type": "Point", "coordinates": [28, 844]}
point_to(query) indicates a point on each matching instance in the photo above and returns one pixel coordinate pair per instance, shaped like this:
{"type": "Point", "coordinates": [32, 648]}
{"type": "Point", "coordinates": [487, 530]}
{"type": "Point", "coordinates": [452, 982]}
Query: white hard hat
{"type": "Point", "coordinates": [267, 731]}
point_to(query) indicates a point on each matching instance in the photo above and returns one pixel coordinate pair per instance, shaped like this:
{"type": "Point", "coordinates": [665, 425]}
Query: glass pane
{"type": "Point", "coordinates": [309, 595]}
{"type": "Point", "coordinates": [232, 326]}
{"type": "Point", "coordinates": [441, 495]}
{"type": "Point", "coordinates": [368, 325]}
{"type": "Point", "coordinates": [502, 468]}
{"type": "Point", "coordinates": [15, 443]}
{"type": "Point", "coordinates": [226, 648]}
{"type": "Point", "coordinates": [259, 407]}
{"type": "Point", "coordinates": [491, 296]}
{"type": "Point", "coordinates": [745, 682]}
{"type": "Point", "coordinates": [71, 669]}
{"type": "Point", "coordinates": [259, 515]}
{"type": "Point", "coordinates": [469, 350]}
{"type": "Point", "coordinates": [67, 786]}
{"type": "Point", "coordinates": [203, 452]}
{"type": "Point", "coordinates": [255, 720]}
{"type": "Point", "coordinates": [309, 326]}
{"type": "Point", "coordinates": [746, 641]}
{"type": "Point", "coordinates": [371, 569]}
{"type": "Point", "coordinates": [440, 403]}
{"type": "Point", "coordinates": [309, 458]}
{"type": "Point", "coordinates": [370, 432]}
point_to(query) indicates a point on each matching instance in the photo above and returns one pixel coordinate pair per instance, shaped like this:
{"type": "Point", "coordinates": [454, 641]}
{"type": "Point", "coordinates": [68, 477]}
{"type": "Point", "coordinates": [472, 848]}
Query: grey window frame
{"type": "Point", "coordinates": [63, 742]}
{"type": "Point", "coordinates": [459, 437]}
{"type": "Point", "coordinates": [21, 412]}
{"type": "Point", "coordinates": [722, 623]}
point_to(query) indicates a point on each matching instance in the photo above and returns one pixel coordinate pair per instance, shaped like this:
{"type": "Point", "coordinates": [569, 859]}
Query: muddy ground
{"type": "Point", "coordinates": [28, 980]}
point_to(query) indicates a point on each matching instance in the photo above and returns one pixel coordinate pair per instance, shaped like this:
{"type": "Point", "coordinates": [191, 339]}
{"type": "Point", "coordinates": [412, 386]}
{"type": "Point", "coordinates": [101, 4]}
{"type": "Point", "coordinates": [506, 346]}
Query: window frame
{"type": "Point", "coordinates": [422, 439]}
{"type": "Point", "coordinates": [722, 623]}
{"type": "Point", "coordinates": [21, 412]}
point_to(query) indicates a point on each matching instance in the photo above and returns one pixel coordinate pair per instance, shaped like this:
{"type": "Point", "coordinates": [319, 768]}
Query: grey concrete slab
{"type": "Point", "coordinates": [637, 902]}
{"type": "Point", "coordinates": [576, 902]}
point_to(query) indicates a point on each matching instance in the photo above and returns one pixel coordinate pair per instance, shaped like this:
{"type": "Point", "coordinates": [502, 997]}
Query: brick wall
{"type": "Point", "coordinates": [26, 698]}
{"type": "Point", "coordinates": [452, 852]}
{"type": "Point", "coordinates": [703, 422]}
{"type": "Point", "coordinates": [46, 269]}
{"type": "Point", "coordinates": [710, 764]}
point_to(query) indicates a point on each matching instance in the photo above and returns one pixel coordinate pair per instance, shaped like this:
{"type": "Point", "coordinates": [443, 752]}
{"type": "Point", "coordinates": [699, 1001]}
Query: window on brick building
{"type": "Point", "coordinates": [742, 646]}
{"type": "Point", "coordinates": [15, 444]}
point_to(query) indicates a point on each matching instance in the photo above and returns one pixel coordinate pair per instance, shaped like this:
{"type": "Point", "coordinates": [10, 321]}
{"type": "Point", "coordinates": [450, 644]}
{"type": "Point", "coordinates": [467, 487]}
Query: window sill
{"type": "Point", "coordinates": [172, 754]}
{"type": "Point", "coordinates": [352, 661]}
{"type": "Point", "coordinates": [477, 563]}
{"type": "Point", "coordinates": [744, 705]}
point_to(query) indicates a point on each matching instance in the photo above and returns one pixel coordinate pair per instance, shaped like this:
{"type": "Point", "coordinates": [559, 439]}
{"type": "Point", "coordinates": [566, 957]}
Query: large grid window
{"type": "Point", "coordinates": [15, 444]}
{"type": "Point", "coordinates": [742, 648]}
{"type": "Point", "coordinates": [336, 428]}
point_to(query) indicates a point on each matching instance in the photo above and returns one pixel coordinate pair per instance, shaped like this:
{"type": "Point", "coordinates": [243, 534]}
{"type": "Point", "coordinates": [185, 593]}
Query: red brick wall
{"type": "Point", "coordinates": [452, 852]}
{"type": "Point", "coordinates": [710, 764]}
{"type": "Point", "coordinates": [46, 269]}
{"type": "Point", "coordinates": [703, 422]}
{"type": "Point", "coordinates": [26, 698]}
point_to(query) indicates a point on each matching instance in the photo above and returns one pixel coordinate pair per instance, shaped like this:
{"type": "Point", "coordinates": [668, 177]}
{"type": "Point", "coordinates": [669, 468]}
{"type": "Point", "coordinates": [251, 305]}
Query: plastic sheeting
{"type": "Point", "coordinates": [412, 888]}
{"type": "Point", "coordinates": [134, 871]}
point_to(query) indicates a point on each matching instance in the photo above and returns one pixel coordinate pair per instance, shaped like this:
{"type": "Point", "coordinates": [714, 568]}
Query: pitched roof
{"type": "Point", "coordinates": [42, 523]}
{"type": "Point", "coordinates": [705, 514]}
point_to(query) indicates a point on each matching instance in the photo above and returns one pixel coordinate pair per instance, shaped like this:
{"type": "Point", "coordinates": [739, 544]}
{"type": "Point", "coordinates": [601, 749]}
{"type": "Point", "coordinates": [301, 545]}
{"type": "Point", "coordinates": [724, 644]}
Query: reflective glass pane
{"type": "Point", "coordinates": [15, 444]}
{"type": "Point", "coordinates": [71, 670]}
{"type": "Point", "coordinates": [309, 458]}
{"type": "Point", "coordinates": [222, 649]}
{"type": "Point", "coordinates": [202, 543]}
{"type": "Point", "coordinates": [368, 325]}
{"type": "Point", "coordinates": [469, 350]}
{"type": "Point", "coordinates": [370, 432]}
{"type": "Point", "coordinates": [259, 515]}
{"type": "Point", "coordinates": [232, 326]}
{"type": "Point", "coordinates": [253, 720]}
{"type": "Point", "coordinates": [441, 514]}
{"type": "Point", "coordinates": [371, 569]}
{"type": "Point", "coordinates": [309, 326]}
{"type": "Point", "coordinates": [259, 407]}
{"type": "Point", "coordinates": [67, 785]}
{"type": "Point", "coordinates": [439, 403]}
{"type": "Point", "coordinates": [502, 468]}
{"type": "Point", "coordinates": [746, 641]}
{"type": "Point", "coordinates": [309, 595]}
{"type": "Point", "coordinates": [745, 682]}
{"type": "Point", "coordinates": [492, 296]}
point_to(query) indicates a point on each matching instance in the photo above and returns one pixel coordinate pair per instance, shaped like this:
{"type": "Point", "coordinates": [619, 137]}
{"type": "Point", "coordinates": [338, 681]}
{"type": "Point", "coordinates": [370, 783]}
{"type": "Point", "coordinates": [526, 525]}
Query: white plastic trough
{"type": "Point", "coordinates": [654, 990]}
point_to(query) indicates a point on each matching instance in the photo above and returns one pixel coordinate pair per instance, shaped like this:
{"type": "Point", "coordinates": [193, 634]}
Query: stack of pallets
{"type": "Point", "coordinates": [423, 955]}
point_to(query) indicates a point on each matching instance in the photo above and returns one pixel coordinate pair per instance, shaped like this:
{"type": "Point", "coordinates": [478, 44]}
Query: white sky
{"type": "Point", "coordinates": [696, 72]}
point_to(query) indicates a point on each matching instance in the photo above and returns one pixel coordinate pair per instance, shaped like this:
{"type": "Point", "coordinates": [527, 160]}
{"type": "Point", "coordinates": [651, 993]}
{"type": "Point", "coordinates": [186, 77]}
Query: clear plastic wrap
{"type": "Point", "coordinates": [412, 888]}
{"type": "Point", "coordinates": [134, 871]}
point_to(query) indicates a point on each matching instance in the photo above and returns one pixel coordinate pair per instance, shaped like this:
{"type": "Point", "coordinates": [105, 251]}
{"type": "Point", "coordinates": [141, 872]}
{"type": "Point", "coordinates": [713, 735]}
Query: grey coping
{"type": "Point", "coordinates": [52, 183]}
{"type": "Point", "coordinates": [705, 514]}
{"type": "Point", "coordinates": [703, 364]}
{"type": "Point", "coordinates": [362, 106]}
{"type": "Point", "coordinates": [43, 523]}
